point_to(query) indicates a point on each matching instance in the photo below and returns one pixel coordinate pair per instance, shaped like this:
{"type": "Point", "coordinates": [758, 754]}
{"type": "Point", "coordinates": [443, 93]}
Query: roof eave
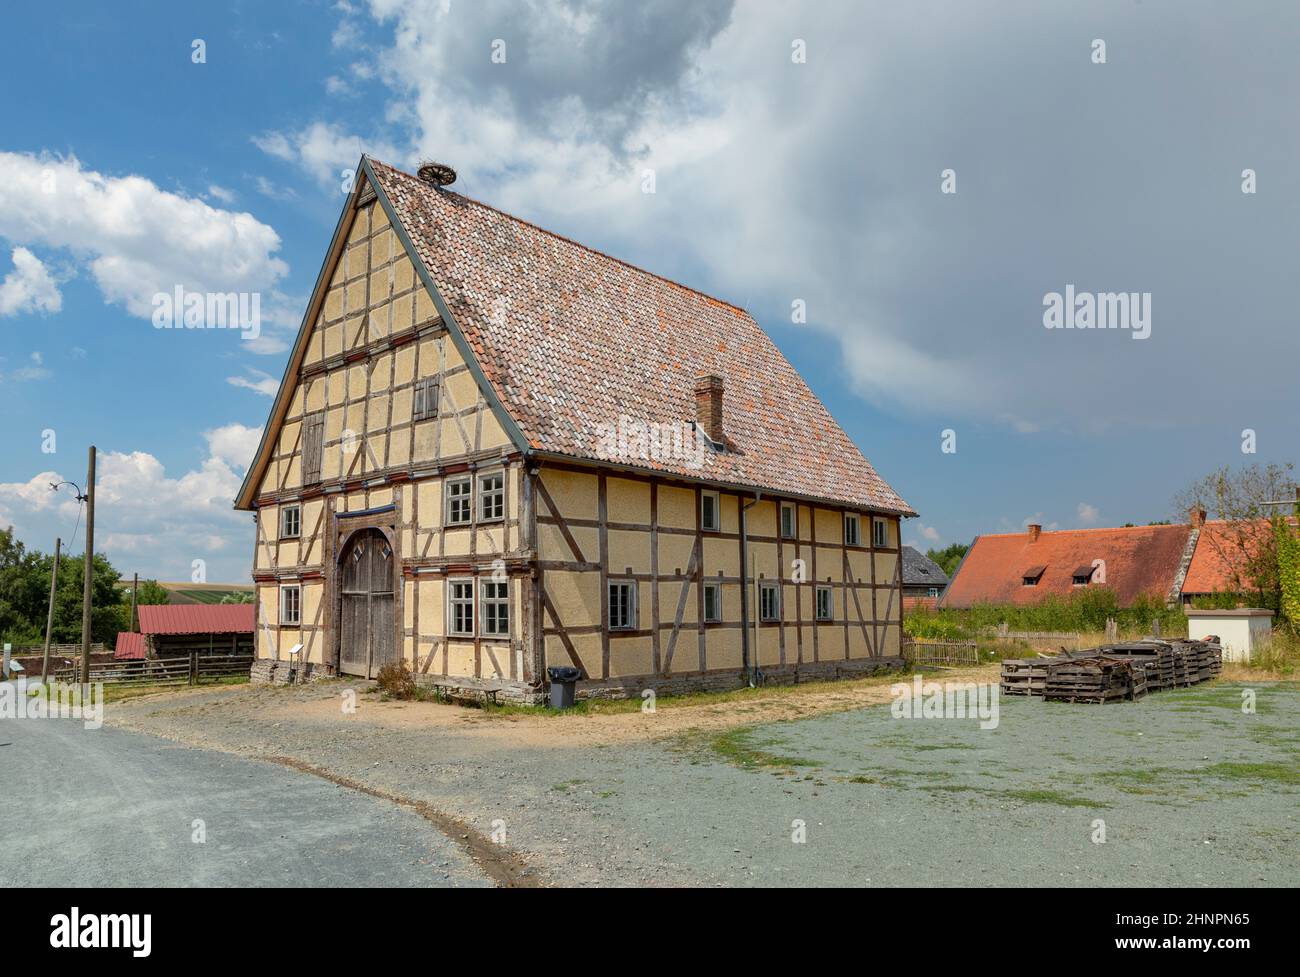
{"type": "Point", "coordinates": [603, 463]}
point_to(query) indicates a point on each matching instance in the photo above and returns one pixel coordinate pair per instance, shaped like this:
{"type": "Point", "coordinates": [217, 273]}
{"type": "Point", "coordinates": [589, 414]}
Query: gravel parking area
{"type": "Point", "coordinates": [825, 790]}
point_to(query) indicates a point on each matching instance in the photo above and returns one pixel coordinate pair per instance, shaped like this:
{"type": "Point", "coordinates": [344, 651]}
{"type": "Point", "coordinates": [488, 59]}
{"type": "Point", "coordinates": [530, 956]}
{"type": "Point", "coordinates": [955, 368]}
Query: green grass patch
{"type": "Point", "coordinates": [1277, 773]}
{"type": "Point", "coordinates": [1041, 796]}
{"type": "Point", "coordinates": [738, 747]}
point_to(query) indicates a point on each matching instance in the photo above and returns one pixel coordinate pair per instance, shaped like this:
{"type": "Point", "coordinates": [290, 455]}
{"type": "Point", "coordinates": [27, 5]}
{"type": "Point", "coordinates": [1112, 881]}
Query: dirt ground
{"type": "Point", "coordinates": [232, 707]}
{"type": "Point", "coordinates": [1191, 790]}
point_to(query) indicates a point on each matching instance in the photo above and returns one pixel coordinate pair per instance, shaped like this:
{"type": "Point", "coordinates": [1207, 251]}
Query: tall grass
{"type": "Point", "coordinates": [1085, 610]}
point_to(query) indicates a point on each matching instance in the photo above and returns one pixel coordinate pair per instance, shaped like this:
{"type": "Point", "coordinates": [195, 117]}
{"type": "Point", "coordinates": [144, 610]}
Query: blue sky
{"type": "Point", "coordinates": [776, 181]}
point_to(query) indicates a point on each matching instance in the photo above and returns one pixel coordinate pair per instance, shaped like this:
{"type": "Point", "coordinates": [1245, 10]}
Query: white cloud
{"type": "Point", "coordinates": [35, 370]}
{"type": "Point", "coordinates": [234, 444]}
{"type": "Point", "coordinates": [262, 383]}
{"type": "Point", "coordinates": [820, 180]}
{"type": "Point", "coordinates": [160, 522]}
{"type": "Point", "coordinates": [928, 533]}
{"type": "Point", "coordinates": [29, 287]}
{"type": "Point", "coordinates": [221, 193]}
{"type": "Point", "coordinates": [134, 238]}
{"type": "Point", "coordinates": [326, 151]}
{"type": "Point", "coordinates": [1088, 514]}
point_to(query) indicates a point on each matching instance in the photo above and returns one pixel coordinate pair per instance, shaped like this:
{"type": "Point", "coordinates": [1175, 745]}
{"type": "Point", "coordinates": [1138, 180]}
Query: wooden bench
{"type": "Point", "coordinates": [466, 690]}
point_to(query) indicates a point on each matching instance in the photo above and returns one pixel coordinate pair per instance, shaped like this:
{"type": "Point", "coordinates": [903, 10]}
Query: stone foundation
{"type": "Point", "coordinates": [269, 671]}
{"type": "Point", "coordinates": [728, 681]}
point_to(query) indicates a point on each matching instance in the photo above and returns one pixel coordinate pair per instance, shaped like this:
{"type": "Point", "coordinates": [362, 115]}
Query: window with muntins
{"type": "Point", "coordinates": [712, 603]}
{"type": "Point", "coordinates": [461, 601]}
{"type": "Point", "coordinates": [496, 607]}
{"type": "Point", "coordinates": [710, 511]}
{"type": "Point", "coordinates": [769, 602]}
{"type": "Point", "coordinates": [825, 604]}
{"type": "Point", "coordinates": [291, 605]}
{"type": "Point", "coordinates": [622, 606]}
{"type": "Point", "coordinates": [852, 531]}
{"type": "Point", "coordinates": [789, 523]}
{"type": "Point", "coordinates": [290, 522]}
{"type": "Point", "coordinates": [881, 528]}
{"type": "Point", "coordinates": [459, 502]}
{"type": "Point", "coordinates": [491, 497]}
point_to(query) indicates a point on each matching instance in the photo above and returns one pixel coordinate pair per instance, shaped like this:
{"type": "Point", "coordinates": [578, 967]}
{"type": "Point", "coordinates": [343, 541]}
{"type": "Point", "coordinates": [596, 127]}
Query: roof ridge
{"type": "Point", "coordinates": [585, 247]}
{"type": "Point", "coordinates": [1090, 529]}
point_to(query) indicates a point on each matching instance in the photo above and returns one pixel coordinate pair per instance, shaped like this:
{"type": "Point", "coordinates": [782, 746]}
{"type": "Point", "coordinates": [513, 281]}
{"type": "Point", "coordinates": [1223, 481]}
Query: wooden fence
{"type": "Point", "coordinates": [1072, 638]}
{"type": "Point", "coordinates": [191, 669]}
{"type": "Point", "coordinates": [941, 653]}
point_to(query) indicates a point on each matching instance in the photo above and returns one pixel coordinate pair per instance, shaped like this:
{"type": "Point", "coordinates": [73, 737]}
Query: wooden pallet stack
{"type": "Point", "coordinates": [1128, 670]}
{"type": "Point", "coordinates": [1094, 680]}
{"type": "Point", "coordinates": [1024, 676]}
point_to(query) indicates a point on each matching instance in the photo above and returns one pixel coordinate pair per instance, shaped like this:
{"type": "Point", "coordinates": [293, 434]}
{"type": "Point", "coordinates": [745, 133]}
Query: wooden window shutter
{"type": "Point", "coordinates": [425, 404]}
{"type": "Point", "coordinates": [313, 445]}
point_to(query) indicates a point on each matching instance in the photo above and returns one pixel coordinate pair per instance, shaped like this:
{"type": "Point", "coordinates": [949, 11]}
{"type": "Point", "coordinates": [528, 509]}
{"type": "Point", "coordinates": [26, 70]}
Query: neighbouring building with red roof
{"type": "Point", "coordinates": [1172, 563]}
{"type": "Point", "coordinates": [176, 629]}
{"type": "Point", "coordinates": [496, 451]}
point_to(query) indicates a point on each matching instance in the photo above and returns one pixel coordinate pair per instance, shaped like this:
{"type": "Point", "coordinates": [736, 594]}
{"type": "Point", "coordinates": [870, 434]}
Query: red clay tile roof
{"type": "Point", "coordinates": [1139, 560]}
{"type": "Point", "coordinates": [571, 339]}
{"type": "Point", "coordinates": [1219, 544]}
{"type": "Point", "coordinates": [196, 618]}
{"type": "Point", "coordinates": [129, 644]}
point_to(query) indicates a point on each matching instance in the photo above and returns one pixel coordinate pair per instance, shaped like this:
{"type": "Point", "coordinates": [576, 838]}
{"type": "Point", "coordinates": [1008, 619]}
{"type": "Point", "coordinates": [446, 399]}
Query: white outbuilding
{"type": "Point", "coordinates": [1240, 629]}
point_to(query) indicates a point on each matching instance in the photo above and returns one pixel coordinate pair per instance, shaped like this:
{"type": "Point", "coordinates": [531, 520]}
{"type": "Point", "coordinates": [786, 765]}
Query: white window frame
{"type": "Point", "coordinates": [454, 601]}
{"type": "Point", "coordinates": [880, 533]}
{"type": "Point", "coordinates": [794, 520]}
{"type": "Point", "coordinates": [488, 601]}
{"type": "Point", "coordinates": [829, 591]}
{"type": "Point", "coordinates": [933, 592]}
{"type": "Point", "coordinates": [630, 624]}
{"type": "Point", "coordinates": [716, 497]}
{"type": "Point", "coordinates": [288, 619]}
{"type": "Point", "coordinates": [851, 519]}
{"type": "Point", "coordinates": [716, 587]}
{"type": "Point", "coordinates": [766, 588]}
{"type": "Point", "coordinates": [285, 510]}
{"type": "Point", "coordinates": [498, 495]}
{"type": "Point", "coordinates": [467, 497]}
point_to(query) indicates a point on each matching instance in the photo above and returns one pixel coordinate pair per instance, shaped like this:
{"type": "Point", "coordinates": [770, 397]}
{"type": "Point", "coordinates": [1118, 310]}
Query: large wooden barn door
{"type": "Point", "coordinates": [366, 639]}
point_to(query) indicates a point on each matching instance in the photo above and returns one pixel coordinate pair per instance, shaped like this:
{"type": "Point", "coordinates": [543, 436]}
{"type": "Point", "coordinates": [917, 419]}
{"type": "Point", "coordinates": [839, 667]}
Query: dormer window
{"type": "Point", "coordinates": [1031, 576]}
{"type": "Point", "coordinates": [1082, 575]}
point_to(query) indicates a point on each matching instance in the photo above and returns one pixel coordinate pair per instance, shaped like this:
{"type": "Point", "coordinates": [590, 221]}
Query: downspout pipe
{"type": "Point", "coordinates": [750, 669]}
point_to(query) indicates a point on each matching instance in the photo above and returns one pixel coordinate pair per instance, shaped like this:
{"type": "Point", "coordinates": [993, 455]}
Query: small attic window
{"type": "Point", "coordinates": [1082, 575]}
{"type": "Point", "coordinates": [1031, 576]}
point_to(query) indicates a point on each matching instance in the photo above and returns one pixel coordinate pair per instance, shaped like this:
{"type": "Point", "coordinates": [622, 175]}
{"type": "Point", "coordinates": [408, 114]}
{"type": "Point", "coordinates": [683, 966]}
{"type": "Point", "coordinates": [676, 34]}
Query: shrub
{"type": "Point", "coordinates": [395, 680]}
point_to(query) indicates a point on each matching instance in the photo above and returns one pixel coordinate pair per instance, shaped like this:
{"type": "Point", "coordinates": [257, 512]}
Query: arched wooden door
{"type": "Point", "coordinates": [366, 638]}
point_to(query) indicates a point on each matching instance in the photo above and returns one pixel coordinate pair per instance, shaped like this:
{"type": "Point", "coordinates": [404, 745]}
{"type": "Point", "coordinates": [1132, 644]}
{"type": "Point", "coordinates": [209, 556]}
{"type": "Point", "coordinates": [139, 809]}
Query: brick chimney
{"type": "Point", "coordinates": [1197, 517]}
{"type": "Point", "coordinates": [708, 406]}
{"type": "Point", "coordinates": [1035, 530]}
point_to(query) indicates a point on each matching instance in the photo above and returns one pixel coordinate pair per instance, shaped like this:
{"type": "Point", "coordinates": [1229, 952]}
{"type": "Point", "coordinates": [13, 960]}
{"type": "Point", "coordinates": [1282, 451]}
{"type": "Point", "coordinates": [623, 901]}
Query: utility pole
{"type": "Point", "coordinates": [49, 620]}
{"type": "Point", "coordinates": [89, 568]}
{"type": "Point", "coordinates": [135, 589]}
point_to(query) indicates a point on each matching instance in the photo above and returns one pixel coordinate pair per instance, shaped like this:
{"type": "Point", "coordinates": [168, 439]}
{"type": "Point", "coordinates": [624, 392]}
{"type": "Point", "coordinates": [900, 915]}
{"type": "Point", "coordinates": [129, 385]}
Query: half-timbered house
{"type": "Point", "coordinates": [496, 450]}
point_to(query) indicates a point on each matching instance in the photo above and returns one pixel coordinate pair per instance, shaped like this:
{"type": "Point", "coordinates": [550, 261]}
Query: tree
{"type": "Point", "coordinates": [1288, 567]}
{"type": "Point", "coordinates": [1245, 544]}
{"type": "Point", "coordinates": [948, 557]}
{"type": "Point", "coordinates": [25, 590]}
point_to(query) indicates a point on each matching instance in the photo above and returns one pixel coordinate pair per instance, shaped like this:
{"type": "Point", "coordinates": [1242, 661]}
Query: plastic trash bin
{"type": "Point", "coordinates": [563, 679]}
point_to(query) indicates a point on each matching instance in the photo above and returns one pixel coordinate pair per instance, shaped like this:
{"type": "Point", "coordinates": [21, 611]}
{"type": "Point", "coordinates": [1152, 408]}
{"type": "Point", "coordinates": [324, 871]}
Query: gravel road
{"type": "Point", "coordinates": [1191, 790]}
{"type": "Point", "coordinates": [107, 807]}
